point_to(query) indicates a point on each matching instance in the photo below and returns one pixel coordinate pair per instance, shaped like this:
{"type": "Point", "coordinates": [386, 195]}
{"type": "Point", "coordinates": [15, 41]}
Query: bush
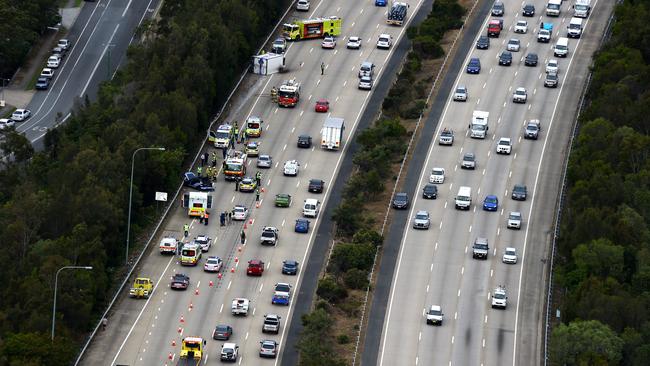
{"type": "Point", "coordinates": [343, 339]}
{"type": "Point", "coordinates": [356, 279]}
{"type": "Point", "coordinates": [348, 256]}
{"type": "Point", "coordinates": [330, 290]}
{"type": "Point", "coordinates": [349, 216]}
{"type": "Point", "coordinates": [414, 109]}
{"type": "Point", "coordinates": [368, 236]}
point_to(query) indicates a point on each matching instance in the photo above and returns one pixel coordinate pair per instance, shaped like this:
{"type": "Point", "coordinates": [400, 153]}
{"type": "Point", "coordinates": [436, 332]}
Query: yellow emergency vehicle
{"type": "Point", "coordinates": [312, 28]}
{"type": "Point", "coordinates": [254, 126]}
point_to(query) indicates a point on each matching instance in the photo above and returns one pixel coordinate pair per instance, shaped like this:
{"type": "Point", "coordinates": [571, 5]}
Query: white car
{"type": "Point", "coordinates": [499, 298]}
{"type": "Point", "coordinates": [513, 45]}
{"type": "Point", "coordinates": [365, 83]}
{"type": "Point", "coordinates": [437, 176]}
{"type": "Point", "coordinates": [504, 146]}
{"type": "Point", "coordinates": [520, 95]}
{"type": "Point", "coordinates": [53, 62]}
{"type": "Point", "coordinates": [354, 43]}
{"type": "Point", "coordinates": [213, 264]}
{"type": "Point", "coordinates": [64, 44]}
{"type": "Point", "coordinates": [302, 5]}
{"type": "Point", "coordinates": [204, 242]}
{"type": "Point", "coordinates": [47, 73]}
{"type": "Point", "coordinates": [514, 220]}
{"type": "Point", "coordinates": [328, 42]}
{"type": "Point", "coordinates": [510, 256]}
{"type": "Point", "coordinates": [6, 122]}
{"type": "Point", "coordinates": [291, 168]}
{"type": "Point", "coordinates": [434, 315]}
{"type": "Point", "coordinates": [552, 66]}
{"type": "Point", "coordinates": [239, 306]}
{"type": "Point", "coordinates": [229, 352]}
{"type": "Point", "coordinates": [240, 213]}
{"type": "Point", "coordinates": [384, 41]}
{"type": "Point", "coordinates": [460, 94]}
{"type": "Point", "coordinates": [521, 26]}
{"type": "Point", "coordinates": [20, 115]}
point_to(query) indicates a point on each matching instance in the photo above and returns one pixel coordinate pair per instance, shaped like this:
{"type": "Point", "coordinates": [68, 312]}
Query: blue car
{"type": "Point", "coordinates": [42, 83]}
{"type": "Point", "coordinates": [381, 2]}
{"type": "Point", "coordinates": [302, 226]}
{"type": "Point", "coordinates": [474, 66]}
{"type": "Point", "coordinates": [282, 294]}
{"type": "Point", "coordinates": [490, 203]}
{"type": "Point", "coordinates": [290, 267]}
{"type": "Point", "coordinates": [199, 183]}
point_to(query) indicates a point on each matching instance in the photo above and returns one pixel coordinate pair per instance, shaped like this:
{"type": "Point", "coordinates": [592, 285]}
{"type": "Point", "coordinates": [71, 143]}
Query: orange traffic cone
{"type": "Point", "coordinates": [220, 275]}
{"type": "Point", "coordinates": [182, 319]}
{"type": "Point", "coordinates": [236, 259]}
{"type": "Point", "coordinates": [232, 270]}
{"type": "Point", "coordinates": [173, 343]}
{"type": "Point", "coordinates": [211, 284]}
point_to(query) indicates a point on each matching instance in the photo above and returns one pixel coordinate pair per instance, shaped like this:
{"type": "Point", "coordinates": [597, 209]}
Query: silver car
{"type": "Point", "coordinates": [269, 348]}
{"type": "Point", "coordinates": [513, 45]}
{"type": "Point", "coordinates": [510, 256]}
{"type": "Point", "coordinates": [264, 161]}
{"type": "Point", "coordinates": [460, 94]}
{"type": "Point", "coordinates": [514, 220]}
{"type": "Point", "coordinates": [469, 161]}
{"type": "Point", "coordinates": [421, 220]}
{"type": "Point", "coordinates": [365, 83]}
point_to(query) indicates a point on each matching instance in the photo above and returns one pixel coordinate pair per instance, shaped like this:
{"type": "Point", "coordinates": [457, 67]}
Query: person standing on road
{"type": "Point", "coordinates": [214, 159]}
{"type": "Point", "coordinates": [322, 68]}
{"type": "Point", "coordinates": [207, 217]}
{"type": "Point", "coordinates": [224, 153]}
{"type": "Point", "coordinates": [242, 236]}
{"type": "Point", "coordinates": [258, 178]}
{"type": "Point", "coordinates": [201, 217]}
{"type": "Point", "coordinates": [104, 323]}
{"type": "Point", "coordinates": [222, 219]}
{"type": "Point", "coordinates": [199, 171]}
{"type": "Point", "coordinates": [186, 230]}
{"type": "Point", "coordinates": [257, 194]}
{"type": "Point", "coordinates": [237, 184]}
{"type": "Point", "coordinates": [229, 217]}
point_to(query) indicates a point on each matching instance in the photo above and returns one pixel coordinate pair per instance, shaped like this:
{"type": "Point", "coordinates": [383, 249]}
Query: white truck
{"type": "Point", "coordinates": [479, 125]}
{"type": "Point", "coordinates": [268, 63]}
{"type": "Point", "coordinates": [553, 8]}
{"type": "Point", "coordinates": [332, 133]}
{"type": "Point", "coordinates": [240, 306]}
{"type": "Point", "coordinates": [582, 8]}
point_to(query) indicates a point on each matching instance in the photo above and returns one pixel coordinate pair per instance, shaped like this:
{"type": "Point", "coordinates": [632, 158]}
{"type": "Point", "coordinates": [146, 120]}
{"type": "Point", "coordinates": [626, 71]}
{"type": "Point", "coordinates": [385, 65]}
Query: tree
{"type": "Point", "coordinates": [585, 343]}
{"type": "Point", "coordinates": [347, 256]}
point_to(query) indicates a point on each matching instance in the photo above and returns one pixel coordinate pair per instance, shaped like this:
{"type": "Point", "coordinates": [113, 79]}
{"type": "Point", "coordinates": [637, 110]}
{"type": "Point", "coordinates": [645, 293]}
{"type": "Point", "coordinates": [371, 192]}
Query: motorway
{"type": "Point", "coordinates": [150, 332]}
{"type": "Point", "coordinates": [100, 36]}
{"type": "Point", "coordinates": [435, 266]}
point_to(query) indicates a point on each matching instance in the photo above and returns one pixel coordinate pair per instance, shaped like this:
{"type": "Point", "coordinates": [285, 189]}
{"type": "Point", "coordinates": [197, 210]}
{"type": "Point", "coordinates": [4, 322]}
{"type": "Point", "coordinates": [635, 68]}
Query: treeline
{"type": "Point", "coordinates": [68, 204]}
{"type": "Point", "coordinates": [603, 271]}
{"type": "Point", "coordinates": [381, 149]}
{"type": "Point", "coordinates": [22, 22]}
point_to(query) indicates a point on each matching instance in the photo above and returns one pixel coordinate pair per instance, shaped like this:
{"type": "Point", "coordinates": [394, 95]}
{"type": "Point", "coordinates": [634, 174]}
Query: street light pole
{"type": "Point", "coordinates": [56, 285]}
{"type": "Point", "coordinates": [128, 223]}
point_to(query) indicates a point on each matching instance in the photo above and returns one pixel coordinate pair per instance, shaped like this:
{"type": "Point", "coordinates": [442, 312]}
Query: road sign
{"type": "Point", "coordinates": [161, 196]}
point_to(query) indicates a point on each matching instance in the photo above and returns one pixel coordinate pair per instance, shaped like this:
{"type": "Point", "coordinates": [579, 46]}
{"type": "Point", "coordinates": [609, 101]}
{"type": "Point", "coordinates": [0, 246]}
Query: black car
{"type": "Point", "coordinates": [222, 332]}
{"type": "Point", "coordinates": [200, 183]}
{"type": "Point", "coordinates": [42, 83]}
{"type": "Point", "coordinates": [498, 9]}
{"type": "Point", "coordinates": [316, 185]}
{"type": "Point", "coordinates": [483, 43]}
{"type": "Point", "coordinates": [519, 192]}
{"type": "Point", "coordinates": [304, 141]}
{"type": "Point", "coordinates": [531, 59]}
{"type": "Point", "coordinates": [290, 267]}
{"type": "Point", "coordinates": [505, 58]}
{"type": "Point", "coordinates": [430, 191]}
{"type": "Point", "coordinates": [180, 281]}
{"type": "Point", "coordinates": [528, 10]}
{"type": "Point", "coordinates": [401, 200]}
{"type": "Point", "coordinates": [551, 79]}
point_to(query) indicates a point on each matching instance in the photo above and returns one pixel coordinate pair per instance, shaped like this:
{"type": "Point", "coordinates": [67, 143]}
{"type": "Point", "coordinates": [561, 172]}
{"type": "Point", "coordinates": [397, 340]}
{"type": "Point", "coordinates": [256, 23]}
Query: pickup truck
{"type": "Point", "coordinates": [545, 33]}
{"type": "Point", "coordinates": [446, 137]}
{"type": "Point", "coordinates": [240, 306]}
{"type": "Point", "coordinates": [494, 28]}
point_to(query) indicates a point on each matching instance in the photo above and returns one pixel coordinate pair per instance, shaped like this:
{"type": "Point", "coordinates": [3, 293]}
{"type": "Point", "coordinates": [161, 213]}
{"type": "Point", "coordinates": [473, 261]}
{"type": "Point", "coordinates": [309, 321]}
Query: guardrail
{"type": "Point", "coordinates": [174, 199]}
{"type": "Point", "coordinates": [562, 195]}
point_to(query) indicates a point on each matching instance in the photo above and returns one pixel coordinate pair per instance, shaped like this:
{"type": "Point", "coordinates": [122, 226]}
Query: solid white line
{"type": "Point", "coordinates": [126, 8]}
{"type": "Point", "coordinates": [101, 57]}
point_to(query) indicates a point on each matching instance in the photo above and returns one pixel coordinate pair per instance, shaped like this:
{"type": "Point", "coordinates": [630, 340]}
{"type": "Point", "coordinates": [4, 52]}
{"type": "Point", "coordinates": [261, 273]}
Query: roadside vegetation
{"type": "Point", "coordinates": [602, 277]}
{"type": "Point", "coordinates": [23, 23]}
{"type": "Point", "coordinates": [330, 330]}
{"type": "Point", "coordinates": [68, 204]}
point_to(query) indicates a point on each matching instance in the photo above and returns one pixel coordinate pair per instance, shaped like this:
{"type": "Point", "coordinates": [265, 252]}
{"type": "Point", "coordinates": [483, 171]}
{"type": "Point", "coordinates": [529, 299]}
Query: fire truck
{"type": "Point", "coordinates": [235, 166]}
{"type": "Point", "coordinates": [312, 28]}
{"type": "Point", "coordinates": [289, 93]}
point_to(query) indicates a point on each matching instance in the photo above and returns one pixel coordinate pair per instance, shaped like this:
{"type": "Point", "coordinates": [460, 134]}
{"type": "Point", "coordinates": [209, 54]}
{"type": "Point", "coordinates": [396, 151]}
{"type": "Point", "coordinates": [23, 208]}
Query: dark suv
{"type": "Point", "coordinates": [316, 185]}
{"type": "Point", "coordinates": [519, 192]}
{"type": "Point", "coordinates": [304, 141]}
{"type": "Point", "coordinates": [401, 200]}
{"type": "Point", "coordinates": [505, 58]}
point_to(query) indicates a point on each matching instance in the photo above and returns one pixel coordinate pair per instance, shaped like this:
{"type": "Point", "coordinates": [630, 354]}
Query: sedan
{"type": "Point", "coordinates": [316, 186]}
{"type": "Point", "coordinates": [483, 43]}
{"type": "Point", "coordinates": [20, 115]}
{"type": "Point", "coordinates": [505, 58]}
{"type": "Point", "coordinates": [6, 122]}
{"type": "Point", "coordinates": [222, 332]}
{"type": "Point", "coordinates": [180, 281]}
{"type": "Point", "coordinates": [474, 66]}
{"type": "Point", "coordinates": [519, 192]}
{"type": "Point", "coordinates": [322, 106]}
{"type": "Point", "coordinates": [354, 43]}
{"type": "Point", "coordinates": [47, 73]}
{"type": "Point", "coordinates": [213, 264]}
{"type": "Point", "coordinates": [421, 220]}
{"type": "Point", "coordinates": [514, 220]}
{"type": "Point", "coordinates": [328, 42]}
{"type": "Point", "coordinates": [531, 59]}
{"type": "Point", "coordinates": [282, 200]}
{"type": "Point", "coordinates": [247, 184]}
{"type": "Point", "coordinates": [430, 191]}
{"type": "Point", "coordinates": [469, 161]}
{"type": "Point", "coordinates": [199, 183]}
{"type": "Point", "coordinates": [240, 213]}
{"type": "Point", "coordinates": [264, 161]}
{"type": "Point", "coordinates": [513, 45]}
{"type": "Point", "coordinates": [252, 149]}
{"type": "Point", "coordinates": [304, 141]}
{"type": "Point", "coordinates": [510, 256]}
{"type": "Point", "coordinates": [302, 226]}
{"type": "Point", "coordinates": [365, 83]}
{"type": "Point", "coordinates": [269, 348]}
{"type": "Point", "coordinates": [53, 62]}
{"type": "Point", "coordinates": [528, 10]}
{"type": "Point", "coordinates": [490, 203]}
{"type": "Point", "coordinates": [521, 26]}
{"type": "Point", "coordinates": [290, 267]}
{"type": "Point", "coordinates": [401, 200]}
{"type": "Point", "coordinates": [550, 80]}
{"type": "Point", "coordinates": [42, 83]}
{"type": "Point", "coordinates": [279, 45]}
{"type": "Point", "coordinates": [460, 94]}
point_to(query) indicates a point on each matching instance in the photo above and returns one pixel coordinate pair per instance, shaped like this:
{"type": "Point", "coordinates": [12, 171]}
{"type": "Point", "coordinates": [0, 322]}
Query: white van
{"type": "Point", "coordinates": [561, 48]}
{"type": "Point", "coordinates": [464, 198]}
{"type": "Point", "coordinates": [553, 8]}
{"type": "Point", "coordinates": [311, 207]}
{"type": "Point", "coordinates": [574, 29]}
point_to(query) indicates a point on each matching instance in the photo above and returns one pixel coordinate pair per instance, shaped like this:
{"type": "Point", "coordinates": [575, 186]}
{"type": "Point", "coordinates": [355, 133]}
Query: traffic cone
{"type": "Point", "coordinates": [236, 259]}
{"type": "Point", "coordinates": [211, 284]}
{"type": "Point", "coordinates": [170, 355]}
{"type": "Point", "coordinates": [182, 320]}
{"type": "Point", "coordinates": [250, 221]}
{"type": "Point", "coordinates": [180, 330]}
{"type": "Point", "coordinates": [220, 275]}
{"type": "Point", "coordinates": [191, 305]}
{"type": "Point", "coordinates": [263, 190]}
{"type": "Point", "coordinates": [173, 343]}
{"type": "Point", "coordinates": [196, 292]}
{"type": "Point", "coordinates": [232, 270]}
{"type": "Point", "coordinates": [239, 249]}
{"type": "Point", "coordinates": [257, 205]}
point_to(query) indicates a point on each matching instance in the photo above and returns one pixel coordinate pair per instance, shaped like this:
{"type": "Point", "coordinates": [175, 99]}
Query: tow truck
{"type": "Point", "coordinates": [191, 351]}
{"type": "Point", "coordinates": [312, 28]}
{"type": "Point", "coordinates": [289, 93]}
{"type": "Point", "coordinates": [142, 288]}
{"type": "Point", "coordinates": [235, 166]}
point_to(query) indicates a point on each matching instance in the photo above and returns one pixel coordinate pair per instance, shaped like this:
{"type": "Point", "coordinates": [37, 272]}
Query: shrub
{"type": "Point", "coordinates": [356, 279]}
{"type": "Point", "coordinates": [348, 256]}
{"type": "Point", "coordinates": [330, 290]}
{"type": "Point", "coordinates": [367, 236]}
{"type": "Point", "coordinates": [343, 339]}
{"type": "Point", "coordinates": [349, 216]}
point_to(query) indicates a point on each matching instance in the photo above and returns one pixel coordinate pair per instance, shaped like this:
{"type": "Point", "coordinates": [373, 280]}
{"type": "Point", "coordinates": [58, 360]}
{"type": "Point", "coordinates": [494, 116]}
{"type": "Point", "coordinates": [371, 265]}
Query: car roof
{"type": "Point", "coordinates": [290, 261]}
{"type": "Point", "coordinates": [254, 261]}
{"type": "Point", "coordinates": [491, 197]}
{"type": "Point", "coordinates": [436, 307]}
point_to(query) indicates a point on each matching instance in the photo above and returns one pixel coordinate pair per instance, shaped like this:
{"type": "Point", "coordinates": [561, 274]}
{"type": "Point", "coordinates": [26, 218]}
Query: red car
{"type": "Point", "coordinates": [322, 105]}
{"type": "Point", "coordinates": [255, 267]}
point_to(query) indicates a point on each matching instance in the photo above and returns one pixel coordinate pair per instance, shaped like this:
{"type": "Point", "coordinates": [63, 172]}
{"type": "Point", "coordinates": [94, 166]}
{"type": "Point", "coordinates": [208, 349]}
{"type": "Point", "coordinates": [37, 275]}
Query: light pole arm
{"type": "Point", "coordinates": [56, 285]}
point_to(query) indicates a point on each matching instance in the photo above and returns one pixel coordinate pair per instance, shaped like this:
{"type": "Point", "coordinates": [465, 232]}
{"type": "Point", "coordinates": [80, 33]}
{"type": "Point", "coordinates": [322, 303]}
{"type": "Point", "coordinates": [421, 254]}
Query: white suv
{"type": "Point", "coordinates": [504, 146]}
{"type": "Point", "coordinates": [302, 5]}
{"type": "Point", "coordinates": [384, 41]}
{"type": "Point", "coordinates": [437, 176]}
{"type": "Point", "coordinates": [434, 315]}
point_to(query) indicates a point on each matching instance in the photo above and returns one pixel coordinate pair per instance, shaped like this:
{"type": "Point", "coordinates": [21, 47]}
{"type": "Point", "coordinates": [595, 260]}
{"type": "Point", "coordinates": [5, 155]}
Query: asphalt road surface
{"type": "Point", "coordinates": [100, 36]}
{"type": "Point", "coordinates": [149, 332]}
{"type": "Point", "coordinates": [435, 266]}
